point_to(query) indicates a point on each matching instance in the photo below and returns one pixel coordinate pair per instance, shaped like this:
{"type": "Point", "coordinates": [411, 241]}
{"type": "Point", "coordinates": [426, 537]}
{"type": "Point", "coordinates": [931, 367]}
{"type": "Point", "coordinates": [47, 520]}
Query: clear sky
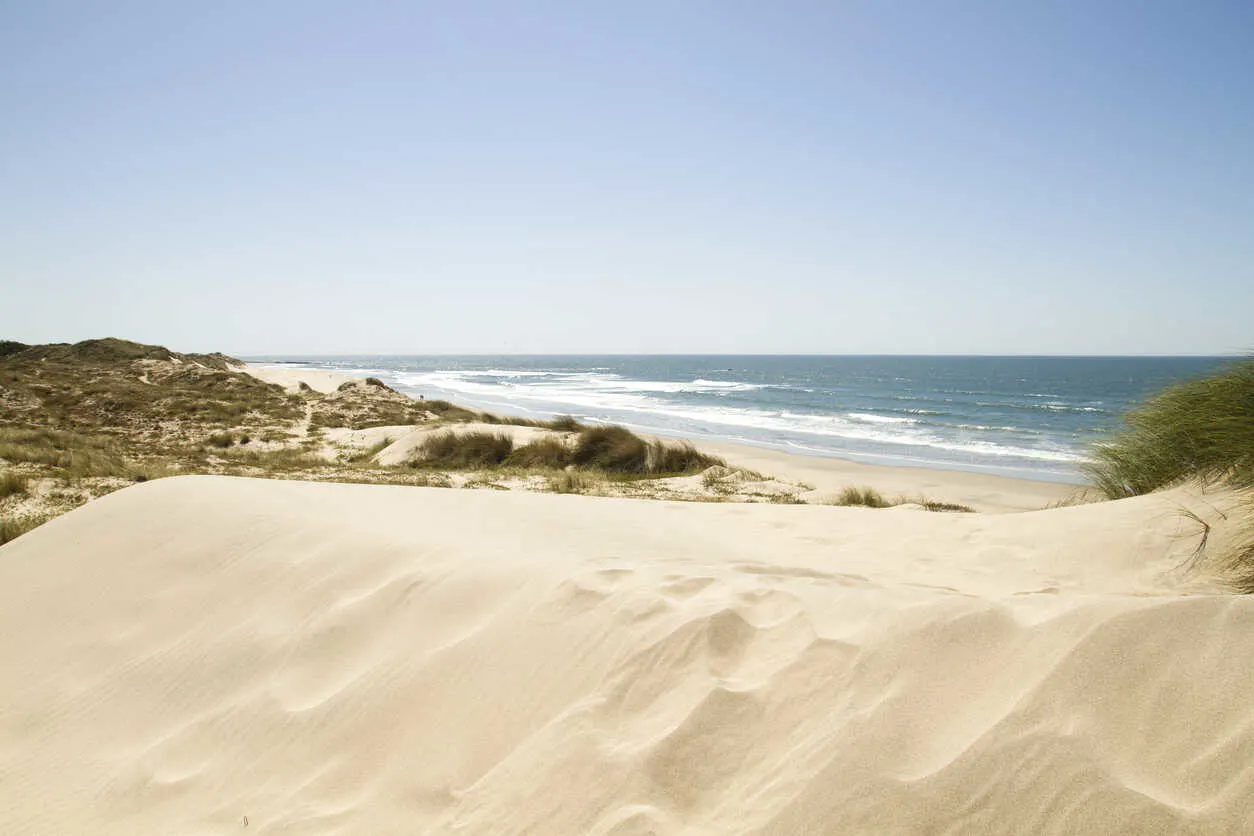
{"type": "Point", "coordinates": [629, 177]}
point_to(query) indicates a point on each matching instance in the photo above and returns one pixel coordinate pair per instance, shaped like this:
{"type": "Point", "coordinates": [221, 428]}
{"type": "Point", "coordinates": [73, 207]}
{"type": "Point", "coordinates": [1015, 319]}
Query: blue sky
{"type": "Point", "coordinates": [388, 177]}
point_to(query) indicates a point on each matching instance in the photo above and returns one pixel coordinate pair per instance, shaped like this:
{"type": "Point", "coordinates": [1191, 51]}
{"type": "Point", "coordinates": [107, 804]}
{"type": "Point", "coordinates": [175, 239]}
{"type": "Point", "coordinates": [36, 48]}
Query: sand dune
{"type": "Point", "coordinates": [291, 377]}
{"type": "Point", "coordinates": [327, 658]}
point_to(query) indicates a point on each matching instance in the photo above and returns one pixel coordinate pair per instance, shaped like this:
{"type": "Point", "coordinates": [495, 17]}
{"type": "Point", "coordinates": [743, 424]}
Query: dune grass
{"type": "Point", "coordinates": [618, 450]}
{"type": "Point", "coordinates": [281, 460]}
{"type": "Point", "coordinates": [863, 496]}
{"type": "Point", "coordinates": [72, 454]}
{"type": "Point", "coordinates": [11, 529]}
{"type": "Point", "coordinates": [12, 484]}
{"type": "Point", "coordinates": [569, 481]}
{"type": "Point", "coordinates": [611, 450]}
{"type": "Point", "coordinates": [1199, 429]}
{"type": "Point", "coordinates": [955, 507]}
{"type": "Point", "coordinates": [549, 452]}
{"type": "Point", "coordinates": [366, 455]}
{"type": "Point", "coordinates": [467, 451]}
{"type": "Point", "coordinates": [1202, 428]}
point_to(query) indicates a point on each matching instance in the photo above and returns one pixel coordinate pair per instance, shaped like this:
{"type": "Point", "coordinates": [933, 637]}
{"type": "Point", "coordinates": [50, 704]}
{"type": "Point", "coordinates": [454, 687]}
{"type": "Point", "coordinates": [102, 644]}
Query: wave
{"type": "Point", "coordinates": [880, 419]}
{"type": "Point", "coordinates": [660, 405]}
{"type": "Point", "coordinates": [1051, 407]}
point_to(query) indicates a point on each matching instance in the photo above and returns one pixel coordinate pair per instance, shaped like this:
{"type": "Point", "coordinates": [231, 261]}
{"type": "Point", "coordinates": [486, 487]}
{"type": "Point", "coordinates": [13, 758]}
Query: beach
{"type": "Point", "coordinates": [192, 653]}
{"type": "Point", "coordinates": [211, 653]}
{"type": "Point", "coordinates": [626, 419]}
{"type": "Point", "coordinates": [825, 475]}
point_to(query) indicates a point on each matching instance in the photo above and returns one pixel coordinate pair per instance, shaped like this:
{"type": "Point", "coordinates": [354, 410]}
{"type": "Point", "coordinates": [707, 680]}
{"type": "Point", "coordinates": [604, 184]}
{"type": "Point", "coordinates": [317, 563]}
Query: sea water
{"type": "Point", "coordinates": [1033, 417]}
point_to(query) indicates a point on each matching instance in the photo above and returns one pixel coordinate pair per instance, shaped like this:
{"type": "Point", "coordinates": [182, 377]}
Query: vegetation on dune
{"type": "Point", "coordinates": [143, 391]}
{"type": "Point", "coordinates": [868, 497]}
{"type": "Point", "coordinates": [614, 451]}
{"type": "Point", "coordinates": [12, 484]}
{"type": "Point", "coordinates": [619, 450]}
{"type": "Point", "coordinates": [551, 452]}
{"type": "Point", "coordinates": [1202, 428]}
{"type": "Point", "coordinates": [78, 421]}
{"type": "Point", "coordinates": [933, 505]}
{"type": "Point", "coordinates": [1199, 429]}
{"type": "Point", "coordinates": [465, 451]}
{"type": "Point", "coordinates": [11, 529]}
{"type": "Point", "coordinates": [69, 454]}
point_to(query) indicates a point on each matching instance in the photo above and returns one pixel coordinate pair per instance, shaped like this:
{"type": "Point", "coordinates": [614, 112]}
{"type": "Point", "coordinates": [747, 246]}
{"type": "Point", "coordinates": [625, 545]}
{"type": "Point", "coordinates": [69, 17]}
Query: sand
{"type": "Point", "coordinates": [290, 377]}
{"type": "Point", "coordinates": [330, 658]}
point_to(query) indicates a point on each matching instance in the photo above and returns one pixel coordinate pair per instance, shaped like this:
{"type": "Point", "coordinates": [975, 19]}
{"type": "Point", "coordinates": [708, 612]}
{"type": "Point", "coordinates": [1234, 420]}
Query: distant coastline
{"type": "Point", "coordinates": [1021, 417]}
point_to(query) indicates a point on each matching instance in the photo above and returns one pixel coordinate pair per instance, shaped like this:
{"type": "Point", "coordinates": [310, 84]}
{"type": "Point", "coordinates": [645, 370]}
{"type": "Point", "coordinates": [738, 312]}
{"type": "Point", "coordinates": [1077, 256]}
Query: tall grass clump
{"type": "Point", "coordinates": [563, 423]}
{"type": "Point", "coordinates": [612, 449]}
{"type": "Point", "coordinates": [543, 452]}
{"type": "Point", "coordinates": [11, 529]}
{"type": "Point", "coordinates": [868, 497]}
{"type": "Point", "coordinates": [12, 483]}
{"type": "Point", "coordinates": [1199, 429]}
{"type": "Point", "coordinates": [1202, 428]}
{"type": "Point", "coordinates": [464, 450]}
{"type": "Point", "coordinates": [619, 451]}
{"type": "Point", "coordinates": [679, 458]}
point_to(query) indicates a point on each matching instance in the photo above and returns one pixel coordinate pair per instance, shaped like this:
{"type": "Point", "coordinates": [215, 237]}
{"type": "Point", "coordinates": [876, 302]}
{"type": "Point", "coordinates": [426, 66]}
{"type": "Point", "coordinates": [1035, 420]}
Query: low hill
{"type": "Point", "coordinates": [80, 420]}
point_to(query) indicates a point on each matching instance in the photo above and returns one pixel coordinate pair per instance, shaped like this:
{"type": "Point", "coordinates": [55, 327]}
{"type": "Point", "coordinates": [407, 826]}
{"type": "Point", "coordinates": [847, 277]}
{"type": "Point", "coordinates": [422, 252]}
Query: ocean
{"type": "Point", "coordinates": [1030, 417]}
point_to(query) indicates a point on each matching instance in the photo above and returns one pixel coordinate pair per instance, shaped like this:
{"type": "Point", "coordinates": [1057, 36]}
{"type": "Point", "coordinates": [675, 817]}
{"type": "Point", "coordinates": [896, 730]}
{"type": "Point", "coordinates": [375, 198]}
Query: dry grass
{"type": "Point", "coordinates": [12, 484]}
{"type": "Point", "coordinates": [864, 496]}
{"type": "Point", "coordinates": [570, 481]}
{"type": "Point", "coordinates": [366, 456]}
{"type": "Point", "coordinates": [617, 450]}
{"type": "Point", "coordinates": [11, 529]}
{"type": "Point", "coordinates": [933, 505]}
{"type": "Point", "coordinates": [69, 454]}
{"type": "Point", "coordinates": [283, 460]}
{"type": "Point", "coordinates": [463, 451]}
{"type": "Point", "coordinates": [543, 452]}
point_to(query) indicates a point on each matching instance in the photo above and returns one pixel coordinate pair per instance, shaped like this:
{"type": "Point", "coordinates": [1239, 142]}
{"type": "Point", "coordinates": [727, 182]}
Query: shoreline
{"type": "Point", "coordinates": [986, 493]}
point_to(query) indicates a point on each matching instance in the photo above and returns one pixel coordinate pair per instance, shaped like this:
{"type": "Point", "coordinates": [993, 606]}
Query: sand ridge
{"type": "Point", "coordinates": [328, 658]}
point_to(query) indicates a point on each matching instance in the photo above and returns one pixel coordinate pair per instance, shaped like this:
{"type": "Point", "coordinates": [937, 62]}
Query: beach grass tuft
{"type": "Point", "coordinates": [863, 496]}
{"type": "Point", "coordinates": [11, 529]}
{"type": "Point", "coordinates": [12, 484]}
{"type": "Point", "coordinates": [1198, 429]}
{"type": "Point", "coordinates": [463, 450]}
{"type": "Point", "coordinates": [543, 452]}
